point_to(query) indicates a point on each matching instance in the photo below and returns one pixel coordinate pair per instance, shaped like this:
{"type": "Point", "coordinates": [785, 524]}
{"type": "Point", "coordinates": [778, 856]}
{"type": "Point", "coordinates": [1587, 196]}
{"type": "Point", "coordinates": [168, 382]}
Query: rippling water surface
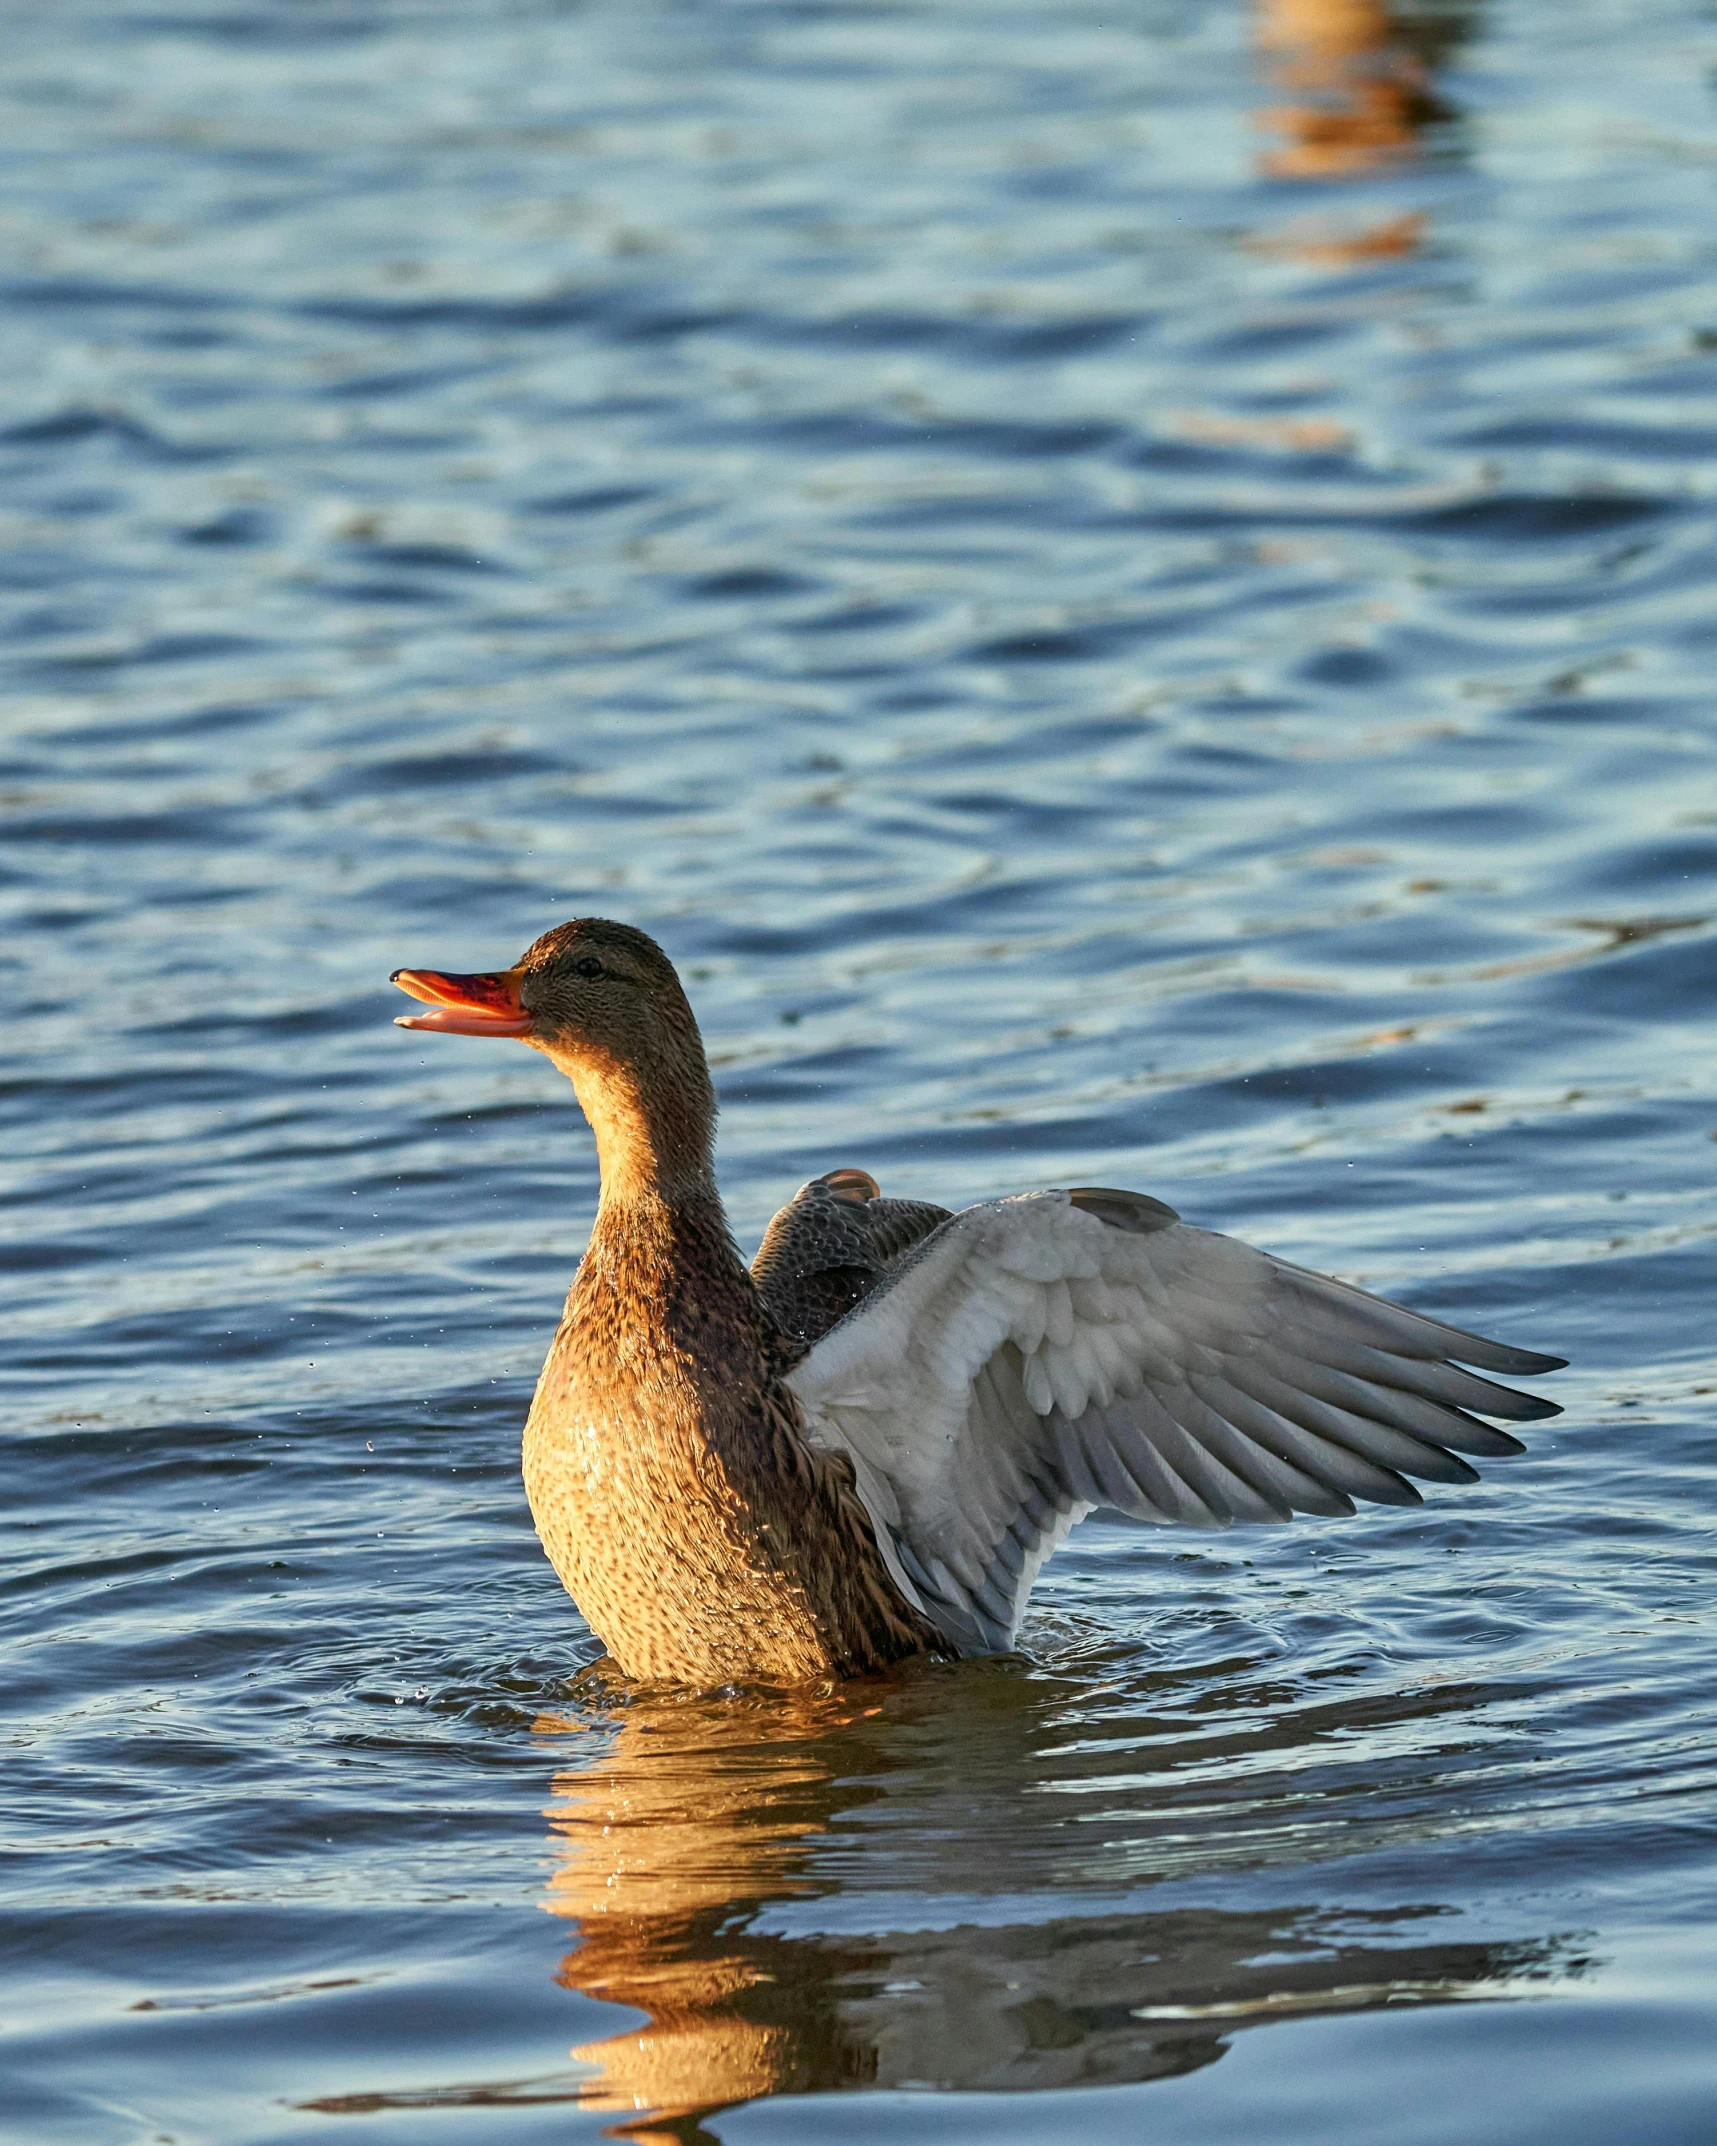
{"type": "Point", "coordinates": [1131, 593]}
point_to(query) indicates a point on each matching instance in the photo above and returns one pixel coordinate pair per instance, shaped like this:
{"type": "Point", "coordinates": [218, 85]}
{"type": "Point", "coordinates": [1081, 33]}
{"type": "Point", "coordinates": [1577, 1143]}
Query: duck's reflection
{"type": "Point", "coordinates": [1354, 88]}
{"type": "Point", "coordinates": [1358, 79]}
{"type": "Point", "coordinates": [941, 1888]}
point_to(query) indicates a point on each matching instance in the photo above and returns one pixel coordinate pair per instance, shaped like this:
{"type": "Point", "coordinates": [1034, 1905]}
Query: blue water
{"type": "Point", "coordinates": [1132, 594]}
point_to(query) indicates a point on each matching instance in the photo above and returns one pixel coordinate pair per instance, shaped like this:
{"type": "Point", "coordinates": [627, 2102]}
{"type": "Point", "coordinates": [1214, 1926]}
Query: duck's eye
{"type": "Point", "coordinates": [587, 965]}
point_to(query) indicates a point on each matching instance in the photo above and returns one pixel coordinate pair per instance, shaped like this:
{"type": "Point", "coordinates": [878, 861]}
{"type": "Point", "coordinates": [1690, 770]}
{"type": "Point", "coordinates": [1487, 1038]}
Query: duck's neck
{"type": "Point", "coordinates": [661, 1260]}
{"type": "Point", "coordinates": [655, 1137]}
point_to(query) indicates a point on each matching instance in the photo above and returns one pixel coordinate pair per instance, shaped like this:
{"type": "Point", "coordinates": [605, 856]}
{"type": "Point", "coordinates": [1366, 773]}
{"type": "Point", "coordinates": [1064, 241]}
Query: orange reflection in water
{"type": "Point", "coordinates": [1357, 84]}
{"type": "Point", "coordinates": [694, 1814]}
{"type": "Point", "coordinates": [786, 1888]}
{"type": "Point", "coordinates": [1392, 240]}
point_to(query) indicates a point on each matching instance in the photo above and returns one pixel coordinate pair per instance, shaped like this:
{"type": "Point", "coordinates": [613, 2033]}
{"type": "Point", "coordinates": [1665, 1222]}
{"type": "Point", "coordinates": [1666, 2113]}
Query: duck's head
{"type": "Point", "coordinates": [603, 1002]}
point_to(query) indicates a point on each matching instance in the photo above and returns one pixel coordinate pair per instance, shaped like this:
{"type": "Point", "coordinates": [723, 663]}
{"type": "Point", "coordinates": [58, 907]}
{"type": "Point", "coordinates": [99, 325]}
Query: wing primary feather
{"type": "Point", "coordinates": [1209, 1462]}
{"type": "Point", "coordinates": [1202, 1474]}
{"type": "Point", "coordinates": [949, 1611]}
{"type": "Point", "coordinates": [997, 1600]}
{"type": "Point", "coordinates": [1082, 1479]}
{"type": "Point", "coordinates": [1036, 1509]}
{"type": "Point", "coordinates": [1317, 1486]}
{"type": "Point", "coordinates": [1400, 1405]}
{"type": "Point", "coordinates": [1272, 1480]}
{"type": "Point", "coordinates": [1394, 1326]}
{"type": "Point", "coordinates": [1337, 1466]}
{"type": "Point", "coordinates": [993, 1631]}
{"type": "Point", "coordinates": [1145, 1489]}
{"type": "Point", "coordinates": [1151, 1456]}
{"type": "Point", "coordinates": [1466, 1434]}
{"type": "Point", "coordinates": [1009, 1558]}
{"type": "Point", "coordinates": [1446, 1382]}
{"type": "Point", "coordinates": [1391, 1450]}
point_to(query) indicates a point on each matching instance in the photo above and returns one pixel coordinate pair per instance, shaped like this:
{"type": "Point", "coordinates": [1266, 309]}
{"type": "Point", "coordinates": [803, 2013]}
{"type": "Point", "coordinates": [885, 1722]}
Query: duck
{"type": "Point", "coordinates": [861, 1447]}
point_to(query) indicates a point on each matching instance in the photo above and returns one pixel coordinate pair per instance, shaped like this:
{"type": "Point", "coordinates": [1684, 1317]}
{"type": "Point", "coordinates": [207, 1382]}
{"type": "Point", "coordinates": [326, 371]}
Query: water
{"type": "Point", "coordinates": [1131, 594]}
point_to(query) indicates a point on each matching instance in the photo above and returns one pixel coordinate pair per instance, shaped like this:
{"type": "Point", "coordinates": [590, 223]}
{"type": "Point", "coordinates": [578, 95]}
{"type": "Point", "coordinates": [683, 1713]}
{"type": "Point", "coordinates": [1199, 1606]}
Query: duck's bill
{"type": "Point", "coordinates": [464, 1005]}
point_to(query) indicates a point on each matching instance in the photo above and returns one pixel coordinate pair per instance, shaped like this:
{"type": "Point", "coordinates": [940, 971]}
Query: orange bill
{"type": "Point", "coordinates": [464, 1005]}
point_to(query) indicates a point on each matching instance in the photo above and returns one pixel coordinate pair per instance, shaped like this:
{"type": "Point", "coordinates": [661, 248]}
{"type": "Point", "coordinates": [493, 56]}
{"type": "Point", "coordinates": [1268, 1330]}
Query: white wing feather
{"type": "Point", "coordinates": [1031, 1361]}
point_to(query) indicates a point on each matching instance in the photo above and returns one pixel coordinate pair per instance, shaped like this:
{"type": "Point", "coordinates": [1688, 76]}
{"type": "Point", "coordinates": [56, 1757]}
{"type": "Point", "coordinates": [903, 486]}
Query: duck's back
{"type": "Point", "coordinates": [830, 1247]}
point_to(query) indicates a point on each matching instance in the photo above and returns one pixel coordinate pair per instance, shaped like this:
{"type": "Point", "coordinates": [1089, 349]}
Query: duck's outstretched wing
{"type": "Point", "coordinates": [1037, 1357]}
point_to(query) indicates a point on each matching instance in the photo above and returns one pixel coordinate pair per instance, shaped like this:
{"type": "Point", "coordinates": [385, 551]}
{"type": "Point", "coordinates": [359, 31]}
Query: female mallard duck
{"type": "Point", "coordinates": [865, 1446]}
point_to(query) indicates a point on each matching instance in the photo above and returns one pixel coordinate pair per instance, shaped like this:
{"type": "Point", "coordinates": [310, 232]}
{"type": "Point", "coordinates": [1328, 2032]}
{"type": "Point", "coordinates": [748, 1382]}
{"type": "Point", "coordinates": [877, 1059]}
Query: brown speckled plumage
{"type": "Point", "coordinates": [701, 1536]}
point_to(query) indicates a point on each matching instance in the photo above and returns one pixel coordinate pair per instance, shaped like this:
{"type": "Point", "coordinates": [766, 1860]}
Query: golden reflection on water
{"type": "Point", "coordinates": [740, 1871]}
{"type": "Point", "coordinates": [693, 1815]}
{"type": "Point", "coordinates": [1354, 84]}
